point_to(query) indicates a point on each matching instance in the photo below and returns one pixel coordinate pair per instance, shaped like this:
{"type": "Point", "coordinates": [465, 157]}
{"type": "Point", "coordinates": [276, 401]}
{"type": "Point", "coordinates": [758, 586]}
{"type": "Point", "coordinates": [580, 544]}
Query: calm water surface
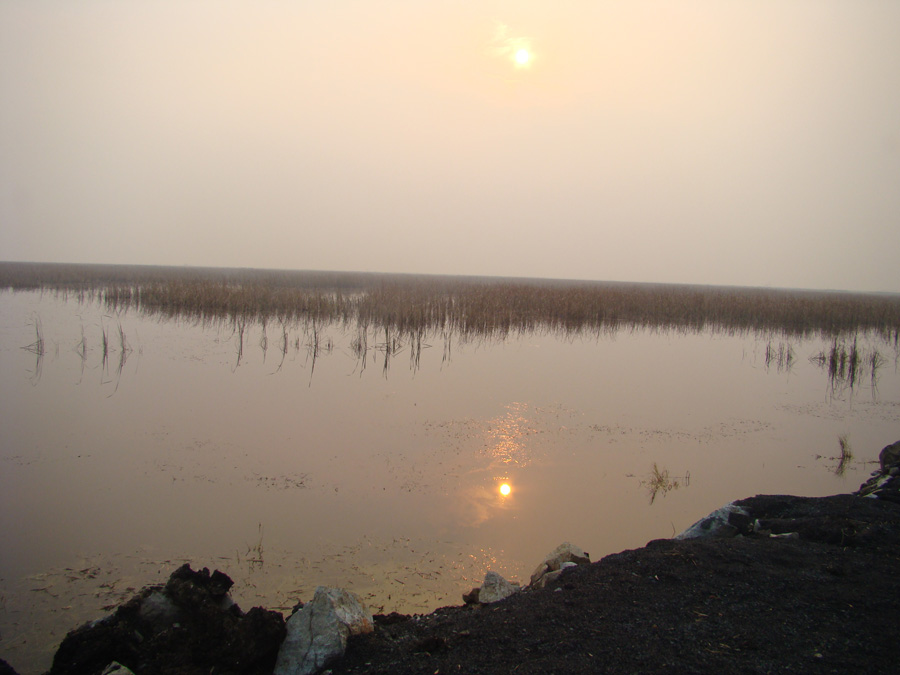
{"type": "Point", "coordinates": [288, 472]}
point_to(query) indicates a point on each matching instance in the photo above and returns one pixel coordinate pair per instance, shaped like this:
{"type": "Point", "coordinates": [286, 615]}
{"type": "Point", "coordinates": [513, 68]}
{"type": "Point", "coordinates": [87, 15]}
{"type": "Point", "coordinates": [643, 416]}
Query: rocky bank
{"type": "Point", "coordinates": [769, 584]}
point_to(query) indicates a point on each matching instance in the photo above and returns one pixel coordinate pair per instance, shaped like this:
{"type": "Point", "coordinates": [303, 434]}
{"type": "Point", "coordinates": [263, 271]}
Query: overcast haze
{"type": "Point", "coordinates": [713, 142]}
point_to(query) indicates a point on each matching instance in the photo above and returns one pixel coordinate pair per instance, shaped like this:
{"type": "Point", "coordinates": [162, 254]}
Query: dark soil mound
{"type": "Point", "coordinates": [825, 602]}
{"type": "Point", "coordinates": [189, 626]}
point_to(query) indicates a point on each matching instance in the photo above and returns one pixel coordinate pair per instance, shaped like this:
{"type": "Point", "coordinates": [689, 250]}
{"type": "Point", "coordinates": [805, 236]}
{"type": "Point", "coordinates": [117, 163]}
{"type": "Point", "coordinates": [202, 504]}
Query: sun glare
{"type": "Point", "coordinates": [505, 489]}
{"type": "Point", "coordinates": [522, 57]}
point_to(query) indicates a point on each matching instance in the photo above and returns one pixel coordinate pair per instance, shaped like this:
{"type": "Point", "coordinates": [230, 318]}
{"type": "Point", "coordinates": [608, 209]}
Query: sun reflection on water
{"type": "Point", "coordinates": [505, 436]}
{"type": "Point", "coordinates": [492, 474]}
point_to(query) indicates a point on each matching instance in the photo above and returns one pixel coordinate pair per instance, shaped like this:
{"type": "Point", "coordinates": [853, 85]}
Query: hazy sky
{"type": "Point", "coordinates": [745, 142]}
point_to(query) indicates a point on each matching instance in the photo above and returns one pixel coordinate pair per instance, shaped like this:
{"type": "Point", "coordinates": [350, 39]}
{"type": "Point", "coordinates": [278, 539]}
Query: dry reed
{"type": "Point", "coordinates": [412, 308]}
{"type": "Point", "coordinates": [661, 482]}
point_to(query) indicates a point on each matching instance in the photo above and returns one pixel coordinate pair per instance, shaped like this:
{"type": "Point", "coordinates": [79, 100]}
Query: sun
{"type": "Point", "coordinates": [522, 57]}
{"type": "Point", "coordinates": [505, 489]}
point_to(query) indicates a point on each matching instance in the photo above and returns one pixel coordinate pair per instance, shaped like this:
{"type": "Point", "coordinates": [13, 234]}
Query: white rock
{"type": "Point", "coordinates": [495, 588]}
{"type": "Point", "coordinates": [318, 633]}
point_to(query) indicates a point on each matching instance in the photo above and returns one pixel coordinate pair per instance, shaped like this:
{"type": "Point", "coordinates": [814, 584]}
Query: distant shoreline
{"type": "Point", "coordinates": [120, 272]}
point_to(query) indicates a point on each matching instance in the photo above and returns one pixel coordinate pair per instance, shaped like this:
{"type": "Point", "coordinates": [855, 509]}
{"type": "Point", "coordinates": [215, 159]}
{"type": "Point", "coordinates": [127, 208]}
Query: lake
{"type": "Point", "coordinates": [290, 464]}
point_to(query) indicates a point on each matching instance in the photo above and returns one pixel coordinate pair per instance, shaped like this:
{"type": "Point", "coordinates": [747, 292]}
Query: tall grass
{"type": "Point", "coordinates": [847, 364]}
{"type": "Point", "coordinates": [782, 357]}
{"type": "Point", "coordinates": [411, 308]}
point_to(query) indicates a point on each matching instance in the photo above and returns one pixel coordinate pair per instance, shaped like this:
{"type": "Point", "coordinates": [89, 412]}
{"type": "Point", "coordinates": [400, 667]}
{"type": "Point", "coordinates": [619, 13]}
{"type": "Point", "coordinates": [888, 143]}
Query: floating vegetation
{"type": "Point", "coordinates": [661, 482]}
{"type": "Point", "coordinates": [282, 482]}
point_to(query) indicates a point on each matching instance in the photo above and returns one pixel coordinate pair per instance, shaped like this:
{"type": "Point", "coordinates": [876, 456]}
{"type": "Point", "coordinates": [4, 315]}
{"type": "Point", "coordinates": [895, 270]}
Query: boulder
{"type": "Point", "coordinates": [550, 577]}
{"type": "Point", "coordinates": [495, 588]}
{"type": "Point", "coordinates": [553, 562]}
{"type": "Point", "coordinates": [728, 521]}
{"type": "Point", "coordinates": [317, 634]}
{"type": "Point", "coordinates": [889, 456]}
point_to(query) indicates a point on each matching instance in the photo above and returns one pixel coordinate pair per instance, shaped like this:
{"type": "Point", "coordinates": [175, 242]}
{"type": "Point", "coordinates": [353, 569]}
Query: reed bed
{"type": "Point", "coordinates": [412, 307]}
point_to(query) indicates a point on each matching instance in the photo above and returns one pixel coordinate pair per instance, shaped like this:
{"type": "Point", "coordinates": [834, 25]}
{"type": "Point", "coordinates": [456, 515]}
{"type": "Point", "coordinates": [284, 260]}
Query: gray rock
{"type": "Point", "coordinates": [889, 456]}
{"type": "Point", "coordinates": [495, 588]}
{"type": "Point", "coordinates": [550, 577]}
{"type": "Point", "coordinates": [116, 668]}
{"type": "Point", "coordinates": [318, 633]}
{"type": "Point", "coordinates": [564, 553]}
{"type": "Point", "coordinates": [725, 522]}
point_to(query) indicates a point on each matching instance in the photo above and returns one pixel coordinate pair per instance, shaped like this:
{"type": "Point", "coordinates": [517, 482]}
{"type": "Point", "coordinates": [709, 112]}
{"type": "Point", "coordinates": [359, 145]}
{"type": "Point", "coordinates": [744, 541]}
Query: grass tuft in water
{"type": "Point", "coordinates": [848, 364]}
{"type": "Point", "coordinates": [846, 455]}
{"type": "Point", "coordinates": [661, 482]}
{"type": "Point", "coordinates": [37, 347]}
